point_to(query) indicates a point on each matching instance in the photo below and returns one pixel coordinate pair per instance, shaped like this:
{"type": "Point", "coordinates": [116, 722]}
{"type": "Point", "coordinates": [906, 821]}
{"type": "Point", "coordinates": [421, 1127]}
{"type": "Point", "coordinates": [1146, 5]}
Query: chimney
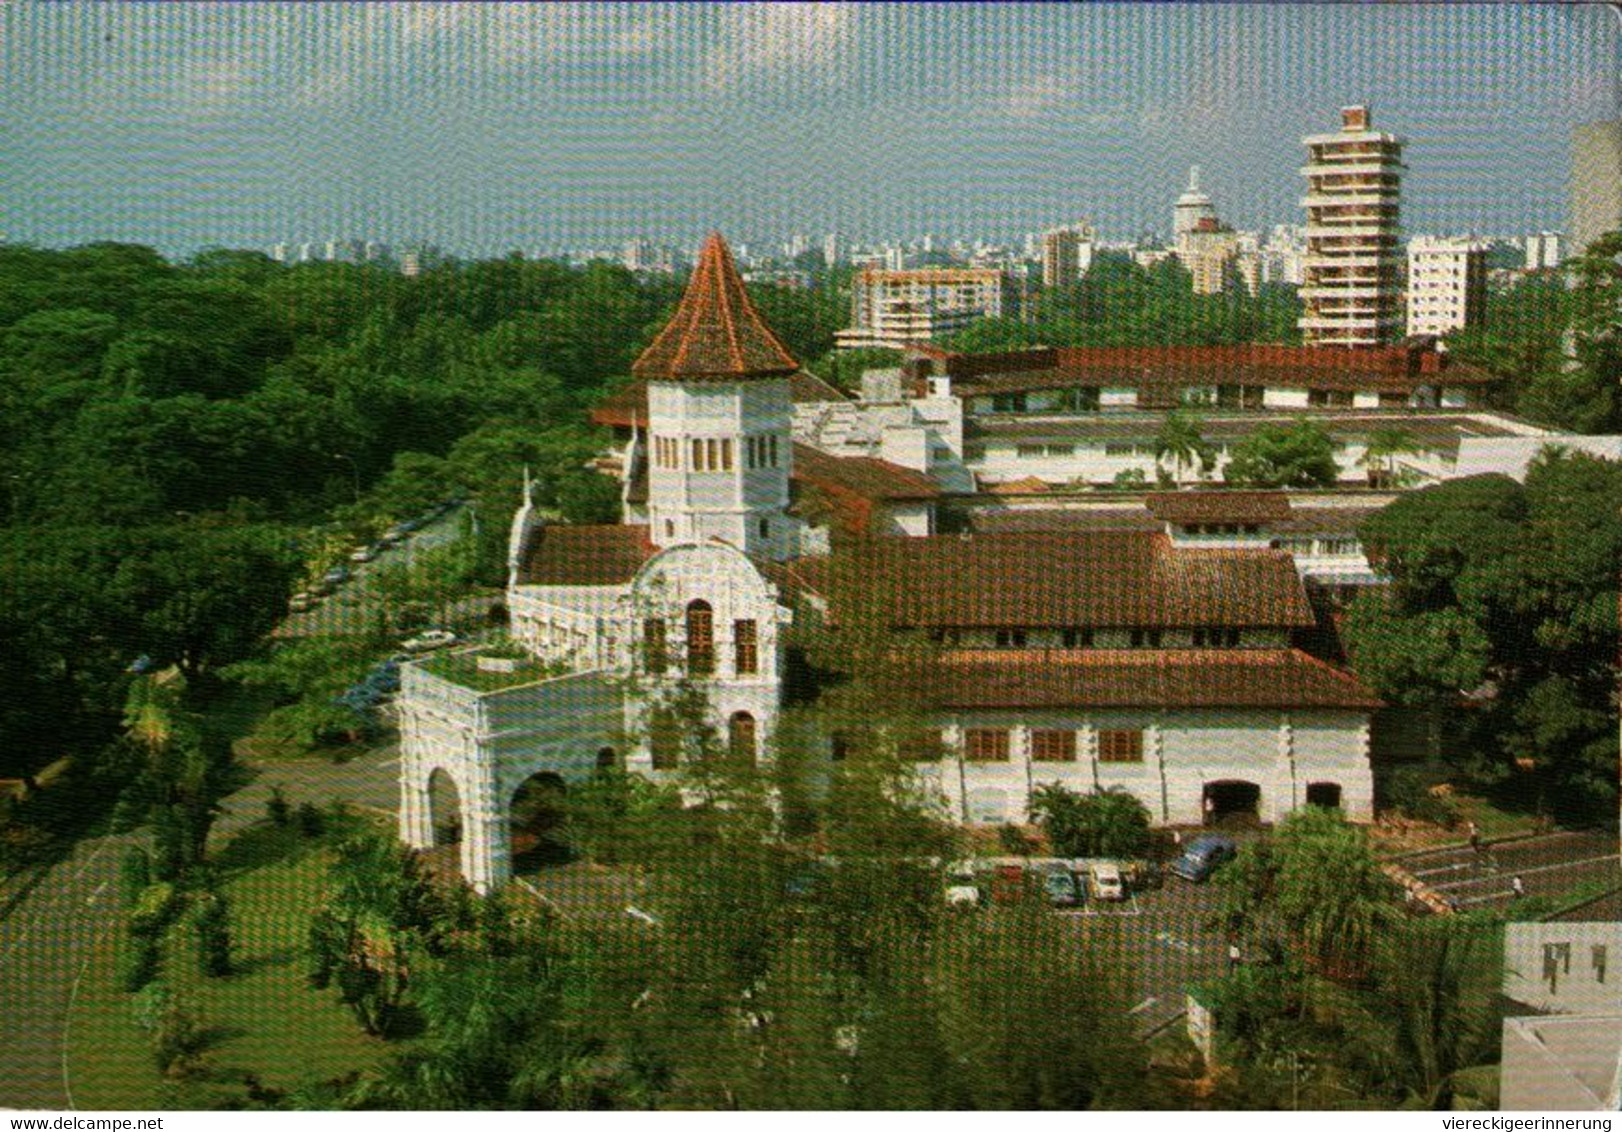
{"type": "Point", "coordinates": [1354, 117]}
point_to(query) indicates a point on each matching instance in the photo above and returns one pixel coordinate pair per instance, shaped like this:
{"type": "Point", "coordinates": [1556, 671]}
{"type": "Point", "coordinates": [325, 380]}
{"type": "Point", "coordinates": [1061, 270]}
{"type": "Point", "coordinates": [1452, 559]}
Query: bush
{"type": "Point", "coordinates": [311, 823]}
{"type": "Point", "coordinates": [154, 908]}
{"type": "Point", "coordinates": [1015, 841]}
{"type": "Point", "coordinates": [134, 875]}
{"type": "Point", "coordinates": [213, 922]}
{"type": "Point", "coordinates": [276, 807]}
{"type": "Point", "coordinates": [1408, 791]}
{"type": "Point", "coordinates": [1109, 823]}
{"type": "Point", "coordinates": [138, 966]}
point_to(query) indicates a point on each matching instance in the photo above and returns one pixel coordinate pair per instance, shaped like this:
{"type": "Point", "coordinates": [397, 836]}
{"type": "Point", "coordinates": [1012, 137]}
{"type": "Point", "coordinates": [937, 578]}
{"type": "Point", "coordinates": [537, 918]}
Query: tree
{"type": "Point", "coordinates": [1279, 455]}
{"type": "Point", "coordinates": [1107, 823]}
{"type": "Point", "coordinates": [212, 919]}
{"type": "Point", "coordinates": [1314, 891]}
{"type": "Point", "coordinates": [1380, 456]}
{"type": "Point", "coordinates": [1180, 441]}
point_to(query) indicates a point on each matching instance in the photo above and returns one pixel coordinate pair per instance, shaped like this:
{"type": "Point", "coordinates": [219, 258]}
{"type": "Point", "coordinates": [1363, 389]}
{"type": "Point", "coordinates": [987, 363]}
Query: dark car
{"type": "Point", "coordinates": [1061, 889]}
{"type": "Point", "coordinates": [1203, 857]}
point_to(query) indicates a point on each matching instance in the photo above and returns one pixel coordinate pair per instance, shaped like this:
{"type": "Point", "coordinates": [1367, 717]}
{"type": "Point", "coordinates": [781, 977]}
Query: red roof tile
{"type": "Point", "coordinates": [715, 334]}
{"type": "Point", "coordinates": [599, 555]}
{"type": "Point", "coordinates": [866, 476]}
{"type": "Point", "coordinates": [1099, 579]}
{"type": "Point", "coordinates": [987, 679]}
{"type": "Point", "coordinates": [1219, 506]}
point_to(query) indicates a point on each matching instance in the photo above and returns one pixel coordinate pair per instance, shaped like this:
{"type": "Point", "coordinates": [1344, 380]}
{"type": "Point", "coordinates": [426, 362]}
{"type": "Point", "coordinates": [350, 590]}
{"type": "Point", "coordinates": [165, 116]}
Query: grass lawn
{"type": "Point", "coordinates": [1493, 821]}
{"type": "Point", "coordinates": [264, 1018]}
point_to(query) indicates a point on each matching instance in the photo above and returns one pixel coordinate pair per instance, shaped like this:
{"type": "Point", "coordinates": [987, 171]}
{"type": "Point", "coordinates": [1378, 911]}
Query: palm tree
{"type": "Point", "coordinates": [1380, 455]}
{"type": "Point", "coordinates": [1179, 439]}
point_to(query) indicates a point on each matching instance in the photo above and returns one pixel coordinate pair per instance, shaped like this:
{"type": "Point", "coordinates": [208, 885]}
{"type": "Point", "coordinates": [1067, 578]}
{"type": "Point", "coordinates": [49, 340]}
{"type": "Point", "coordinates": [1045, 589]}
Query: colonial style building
{"type": "Point", "coordinates": [1160, 661]}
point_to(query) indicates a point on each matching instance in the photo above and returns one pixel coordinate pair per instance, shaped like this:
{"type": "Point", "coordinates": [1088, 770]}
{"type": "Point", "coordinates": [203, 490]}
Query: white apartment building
{"type": "Point", "coordinates": [1447, 284]}
{"type": "Point", "coordinates": [1543, 250]}
{"type": "Point", "coordinates": [890, 309]}
{"type": "Point", "coordinates": [1067, 254]}
{"type": "Point", "coordinates": [1349, 276]}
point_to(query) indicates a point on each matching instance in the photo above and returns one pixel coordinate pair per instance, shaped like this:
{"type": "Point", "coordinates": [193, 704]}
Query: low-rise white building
{"type": "Point", "coordinates": [1447, 284]}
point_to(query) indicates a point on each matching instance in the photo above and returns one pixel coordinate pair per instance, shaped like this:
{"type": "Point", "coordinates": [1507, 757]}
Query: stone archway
{"type": "Point", "coordinates": [1232, 802]}
{"type": "Point", "coordinates": [444, 810]}
{"type": "Point", "coordinates": [537, 818]}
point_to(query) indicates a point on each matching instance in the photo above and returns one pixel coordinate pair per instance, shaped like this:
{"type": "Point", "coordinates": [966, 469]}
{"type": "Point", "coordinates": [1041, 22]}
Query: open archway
{"type": "Point", "coordinates": [1325, 794]}
{"type": "Point", "coordinates": [445, 809]}
{"type": "Point", "coordinates": [1232, 802]}
{"type": "Point", "coordinates": [538, 816]}
{"type": "Point", "coordinates": [741, 742]}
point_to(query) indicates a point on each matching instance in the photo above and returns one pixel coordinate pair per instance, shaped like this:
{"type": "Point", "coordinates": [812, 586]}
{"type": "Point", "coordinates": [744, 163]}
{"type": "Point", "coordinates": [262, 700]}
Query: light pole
{"type": "Point", "coordinates": [354, 471]}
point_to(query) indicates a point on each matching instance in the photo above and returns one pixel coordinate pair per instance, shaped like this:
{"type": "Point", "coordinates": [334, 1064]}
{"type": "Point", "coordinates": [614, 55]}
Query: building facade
{"type": "Point", "coordinates": [891, 309]}
{"type": "Point", "coordinates": [1447, 284]}
{"type": "Point", "coordinates": [1166, 666]}
{"type": "Point", "coordinates": [1349, 285]}
{"type": "Point", "coordinates": [1067, 253]}
{"type": "Point", "coordinates": [1596, 182]}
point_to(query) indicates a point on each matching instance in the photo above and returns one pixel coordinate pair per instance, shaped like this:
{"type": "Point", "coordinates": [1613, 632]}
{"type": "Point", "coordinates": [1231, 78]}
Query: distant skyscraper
{"type": "Point", "coordinates": [346, 251]}
{"type": "Point", "coordinates": [1350, 274]}
{"type": "Point", "coordinates": [833, 249]}
{"type": "Point", "coordinates": [1192, 207]}
{"type": "Point", "coordinates": [1596, 182]}
{"type": "Point", "coordinates": [281, 253]}
{"type": "Point", "coordinates": [418, 258]}
{"type": "Point", "coordinates": [1067, 253]}
{"type": "Point", "coordinates": [1543, 251]}
{"type": "Point", "coordinates": [1447, 284]}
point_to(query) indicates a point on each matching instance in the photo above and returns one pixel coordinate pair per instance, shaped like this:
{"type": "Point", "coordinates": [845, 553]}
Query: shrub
{"type": "Point", "coordinates": [213, 923]}
{"type": "Point", "coordinates": [134, 874]}
{"type": "Point", "coordinates": [276, 807]}
{"type": "Point", "coordinates": [1108, 823]}
{"type": "Point", "coordinates": [153, 910]}
{"type": "Point", "coordinates": [311, 823]}
{"type": "Point", "coordinates": [1408, 791]}
{"type": "Point", "coordinates": [138, 966]}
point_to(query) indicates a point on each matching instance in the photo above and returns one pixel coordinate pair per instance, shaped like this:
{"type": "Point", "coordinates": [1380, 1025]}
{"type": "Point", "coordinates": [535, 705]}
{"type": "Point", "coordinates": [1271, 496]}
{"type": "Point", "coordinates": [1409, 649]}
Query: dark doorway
{"type": "Point", "coordinates": [606, 759]}
{"type": "Point", "coordinates": [444, 809]}
{"type": "Point", "coordinates": [1232, 803]}
{"type": "Point", "coordinates": [539, 814]}
{"type": "Point", "coordinates": [1325, 794]}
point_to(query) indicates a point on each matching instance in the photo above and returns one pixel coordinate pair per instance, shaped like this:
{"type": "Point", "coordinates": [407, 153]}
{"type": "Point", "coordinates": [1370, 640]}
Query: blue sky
{"type": "Point", "coordinates": [485, 127]}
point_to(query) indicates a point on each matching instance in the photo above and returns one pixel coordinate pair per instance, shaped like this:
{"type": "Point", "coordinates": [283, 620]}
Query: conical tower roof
{"type": "Point", "coordinates": [715, 334]}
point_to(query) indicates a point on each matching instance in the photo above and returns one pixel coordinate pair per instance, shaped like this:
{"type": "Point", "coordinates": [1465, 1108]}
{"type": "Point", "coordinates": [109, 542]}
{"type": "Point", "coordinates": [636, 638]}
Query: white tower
{"type": "Point", "coordinates": [1192, 207]}
{"type": "Point", "coordinates": [719, 445]}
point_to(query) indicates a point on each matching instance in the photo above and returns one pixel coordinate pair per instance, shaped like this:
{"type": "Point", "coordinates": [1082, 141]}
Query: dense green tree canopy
{"type": "Point", "coordinates": [1509, 592]}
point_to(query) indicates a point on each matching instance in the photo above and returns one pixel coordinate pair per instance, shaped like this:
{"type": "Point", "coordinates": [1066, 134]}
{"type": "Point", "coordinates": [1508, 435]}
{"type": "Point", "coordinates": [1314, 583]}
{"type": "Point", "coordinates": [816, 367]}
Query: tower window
{"type": "Point", "coordinates": [747, 653]}
{"type": "Point", "coordinates": [654, 651]}
{"type": "Point", "coordinates": [726, 455]}
{"type": "Point", "coordinates": [698, 456]}
{"type": "Point", "coordinates": [765, 528]}
{"type": "Point", "coordinates": [712, 451]}
{"type": "Point", "coordinates": [741, 738]}
{"type": "Point", "coordinates": [700, 639]}
{"type": "Point", "coordinates": [771, 444]}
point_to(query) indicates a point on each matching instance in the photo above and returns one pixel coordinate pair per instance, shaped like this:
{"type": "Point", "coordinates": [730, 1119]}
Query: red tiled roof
{"type": "Point", "coordinates": [1144, 678]}
{"type": "Point", "coordinates": [1004, 520]}
{"type": "Point", "coordinates": [1219, 506]}
{"type": "Point", "coordinates": [866, 476]}
{"type": "Point", "coordinates": [715, 334]}
{"type": "Point", "coordinates": [1393, 369]}
{"type": "Point", "coordinates": [628, 405]}
{"type": "Point", "coordinates": [1109, 578]}
{"type": "Point", "coordinates": [601, 555]}
{"type": "Point", "coordinates": [1030, 485]}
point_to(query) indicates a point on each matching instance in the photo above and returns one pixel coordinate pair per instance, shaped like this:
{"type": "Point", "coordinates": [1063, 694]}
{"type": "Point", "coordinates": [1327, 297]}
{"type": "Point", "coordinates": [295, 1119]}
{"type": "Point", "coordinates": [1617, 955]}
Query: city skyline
{"type": "Point", "coordinates": [580, 125]}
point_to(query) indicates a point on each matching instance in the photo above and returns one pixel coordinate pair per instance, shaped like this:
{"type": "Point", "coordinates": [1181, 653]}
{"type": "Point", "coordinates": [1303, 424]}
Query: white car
{"type": "Point", "coordinates": [429, 639]}
{"type": "Point", "coordinates": [364, 554]}
{"type": "Point", "coordinates": [302, 601]}
{"type": "Point", "coordinates": [1107, 883]}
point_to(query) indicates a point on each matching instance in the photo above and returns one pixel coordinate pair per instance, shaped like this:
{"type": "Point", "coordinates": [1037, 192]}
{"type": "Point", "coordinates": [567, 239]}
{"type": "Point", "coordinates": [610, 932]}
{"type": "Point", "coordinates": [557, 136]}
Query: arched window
{"type": "Point", "coordinates": [741, 737]}
{"type": "Point", "coordinates": [653, 645]}
{"type": "Point", "coordinates": [746, 647]}
{"type": "Point", "coordinates": [700, 639]}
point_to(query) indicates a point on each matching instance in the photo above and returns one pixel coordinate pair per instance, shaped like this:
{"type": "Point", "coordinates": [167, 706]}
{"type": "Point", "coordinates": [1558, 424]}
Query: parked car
{"type": "Point", "coordinates": [428, 640]}
{"type": "Point", "coordinates": [1106, 882]}
{"type": "Point", "coordinates": [303, 600]}
{"type": "Point", "coordinates": [364, 554]}
{"type": "Point", "coordinates": [1203, 857]}
{"type": "Point", "coordinates": [140, 665]}
{"type": "Point", "coordinates": [961, 888]}
{"type": "Point", "coordinates": [336, 576]}
{"type": "Point", "coordinates": [1061, 890]}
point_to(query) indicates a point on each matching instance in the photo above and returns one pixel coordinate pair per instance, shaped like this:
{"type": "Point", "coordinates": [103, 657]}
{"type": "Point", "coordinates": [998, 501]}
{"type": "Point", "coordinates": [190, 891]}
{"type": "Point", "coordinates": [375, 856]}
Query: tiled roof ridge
{"type": "Point", "coordinates": [716, 333]}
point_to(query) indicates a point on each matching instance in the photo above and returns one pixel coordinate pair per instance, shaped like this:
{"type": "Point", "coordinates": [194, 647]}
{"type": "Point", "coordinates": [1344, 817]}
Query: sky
{"type": "Point", "coordinates": [487, 127]}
